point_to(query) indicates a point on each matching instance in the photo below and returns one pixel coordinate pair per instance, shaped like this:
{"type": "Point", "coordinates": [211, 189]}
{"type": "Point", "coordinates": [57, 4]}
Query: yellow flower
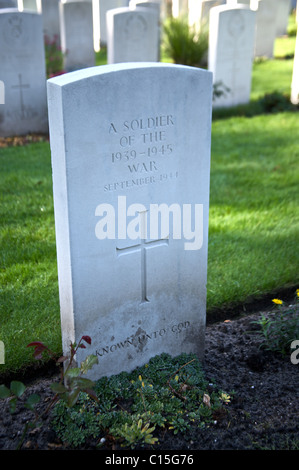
{"type": "Point", "coordinates": [176, 378]}
{"type": "Point", "coordinates": [140, 378]}
{"type": "Point", "coordinates": [297, 292]}
{"type": "Point", "coordinates": [142, 383]}
{"type": "Point", "coordinates": [277, 301]}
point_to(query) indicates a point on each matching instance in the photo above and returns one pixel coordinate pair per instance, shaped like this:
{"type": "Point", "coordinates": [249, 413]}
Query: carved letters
{"type": "Point", "coordinates": [140, 145]}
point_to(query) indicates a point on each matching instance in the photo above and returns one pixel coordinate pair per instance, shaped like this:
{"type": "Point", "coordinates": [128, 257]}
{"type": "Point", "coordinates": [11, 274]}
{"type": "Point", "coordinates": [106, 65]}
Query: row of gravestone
{"type": "Point", "coordinates": [130, 149]}
{"type": "Point", "coordinates": [271, 20]}
{"type": "Point", "coordinates": [231, 44]}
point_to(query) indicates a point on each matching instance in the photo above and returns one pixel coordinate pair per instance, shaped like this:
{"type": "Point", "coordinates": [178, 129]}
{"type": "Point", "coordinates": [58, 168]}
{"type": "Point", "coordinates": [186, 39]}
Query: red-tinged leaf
{"type": "Point", "coordinates": [87, 339]}
{"type": "Point", "coordinates": [82, 346]}
{"type": "Point", "coordinates": [39, 348]}
{"type": "Point", "coordinates": [62, 359]}
{"type": "Point", "coordinates": [37, 344]}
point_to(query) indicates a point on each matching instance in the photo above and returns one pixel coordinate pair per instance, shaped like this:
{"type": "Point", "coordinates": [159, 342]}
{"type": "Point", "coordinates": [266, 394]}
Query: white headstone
{"type": "Point", "coordinates": [50, 12]}
{"type": "Point", "coordinates": [235, 2]}
{"type": "Point", "coordinates": [132, 35]}
{"type": "Point", "coordinates": [128, 141]}
{"type": "Point", "coordinates": [23, 73]}
{"type": "Point", "coordinates": [159, 4]}
{"type": "Point", "coordinates": [282, 19]}
{"type": "Point", "coordinates": [104, 6]}
{"type": "Point", "coordinates": [137, 3]}
{"type": "Point", "coordinates": [265, 33]}
{"type": "Point", "coordinates": [231, 46]}
{"type": "Point", "coordinates": [8, 4]}
{"type": "Point", "coordinates": [295, 77]}
{"type": "Point", "coordinates": [2, 92]}
{"type": "Point", "coordinates": [31, 5]}
{"type": "Point", "coordinates": [194, 13]}
{"type": "Point", "coordinates": [206, 6]}
{"type": "Point", "coordinates": [180, 8]}
{"type": "Point", "coordinates": [76, 29]}
{"type": "Point", "coordinates": [156, 6]}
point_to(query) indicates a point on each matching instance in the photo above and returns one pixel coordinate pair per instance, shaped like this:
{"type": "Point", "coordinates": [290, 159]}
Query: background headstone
{"type": "Point", "coordinates": [32, 5]}
{"type": "Point", "coordinates": [282, 19]}
{"type": "Point", "coordinates": [8, 4]}
{"type": "Point", "coordinates": [230, 58]}
{"type": "Point", "coordinates": [161, 5]}
{"type": "Point", "coordinates": [235, 2]}
{"type": "Point", "coordinates": [156, 6]}
{"type": "Point", "coordinates": [50, 13]}
{"type": "Point", "coordinates": [23, 73]}
{"type": "Point", "coordinates": [266, 21]}
{"type": "Point", "coordinates": [180, 8]}
{"type": "Point", "coordinates": [76, 29]}
{"type": "Point", "coordinates": [133, 35]}
{"type": "Point", "coordinates": [104, 6]}
{"type": "Point", "coordinates": [2, 92]}
{"type": "Point", "coordinates": [119, 138]}
{"type": "Point", "coordinates": [206, 6]}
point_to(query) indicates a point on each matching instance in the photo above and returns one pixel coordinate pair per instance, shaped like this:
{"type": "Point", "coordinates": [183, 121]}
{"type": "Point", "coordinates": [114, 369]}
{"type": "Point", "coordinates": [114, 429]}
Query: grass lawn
{"type": "Point", "coordinates": [254, 223]}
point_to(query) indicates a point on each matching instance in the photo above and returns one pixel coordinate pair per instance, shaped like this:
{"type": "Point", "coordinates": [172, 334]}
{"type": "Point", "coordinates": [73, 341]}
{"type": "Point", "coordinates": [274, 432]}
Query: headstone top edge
{"type": "Point", "coordinates": [89, 72]}
{"type": "Point", "coordinates": [227, 7]}
{"type": "Point", "coordinates": [129, 9]}
{"type": "Point", "coordinates": [16, 10]}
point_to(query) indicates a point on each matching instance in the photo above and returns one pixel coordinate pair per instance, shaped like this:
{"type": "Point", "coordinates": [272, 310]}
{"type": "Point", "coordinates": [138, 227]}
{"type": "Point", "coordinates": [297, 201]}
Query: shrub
{"type": "Point", "coordinates": [184, 44]}
{"type": "Point", "coordinates": [276, 102]}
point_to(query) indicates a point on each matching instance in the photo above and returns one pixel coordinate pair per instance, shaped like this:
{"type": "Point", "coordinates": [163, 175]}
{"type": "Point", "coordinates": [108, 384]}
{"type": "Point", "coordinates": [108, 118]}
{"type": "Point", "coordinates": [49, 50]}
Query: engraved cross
{"type": "Point", "coordinates": [21, 86]}
{"type": "Point", "coordinates": [143, 246]}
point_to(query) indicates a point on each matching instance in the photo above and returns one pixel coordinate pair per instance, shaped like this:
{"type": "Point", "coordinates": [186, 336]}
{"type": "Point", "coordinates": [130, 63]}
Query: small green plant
{"type": "Point", "coordinates": [185, 44]}
{"type": "Point", "coordinates": [276, 102]}
{"type": "Point", "coordinates": [14, 392]}
{"type": "Point", "coordinates": [166, 395]}
{"type": "Point", "coordinates": [67, 389]}
{"type": "Point", "coordinates": [281, 328]}
{"type": "Point", "coordinates": [137, 433]}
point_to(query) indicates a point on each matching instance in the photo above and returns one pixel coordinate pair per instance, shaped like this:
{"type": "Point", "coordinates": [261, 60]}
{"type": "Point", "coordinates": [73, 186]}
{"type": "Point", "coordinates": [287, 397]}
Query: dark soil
{"type": "Point", "coordinates": [263, 412]}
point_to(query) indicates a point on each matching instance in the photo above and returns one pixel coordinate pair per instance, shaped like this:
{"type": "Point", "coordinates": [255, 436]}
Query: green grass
{"type": "Point", "coordinates": [253, 229]}
{"type": "Point", "coordinates": [28, 273]}
{"type": "Point", "coordinates": [254, 207]}
{"type": "Point", "coordinates": [271, 75]}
